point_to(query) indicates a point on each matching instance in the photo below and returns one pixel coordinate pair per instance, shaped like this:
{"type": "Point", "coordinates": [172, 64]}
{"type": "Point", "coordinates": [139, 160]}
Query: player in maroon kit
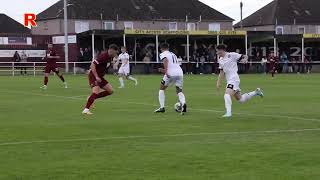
{"type": "Point", "coordinates": [51, 65]}
{"type": "Point", "coordinates": [273, 64]}
{"type": "Point", "coordinates": [97, 83]}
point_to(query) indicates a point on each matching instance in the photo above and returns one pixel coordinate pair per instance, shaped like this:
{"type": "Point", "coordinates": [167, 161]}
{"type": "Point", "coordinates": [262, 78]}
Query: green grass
{"type": "Point", "coordinates": [44, 136]}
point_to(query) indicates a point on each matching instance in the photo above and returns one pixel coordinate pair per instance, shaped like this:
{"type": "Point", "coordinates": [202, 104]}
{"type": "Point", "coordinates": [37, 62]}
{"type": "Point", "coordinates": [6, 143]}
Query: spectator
{"type": "Point", "coordinates": [16, 58]}
{"type": "Point", "coordinates": [308, 63]}
{"type": "Point", "coordinates": [147, 59]}
{"type": "Point", "coordinates": [24, 60]}
{"type": "Point", "coordinates": [87, 57]}
{"type": "Point", "coordinates": [81, 58]}
{"type": "Point", "coordinates": [264, 61]}
{"type": "Point", "coordinates": [291, 65]}
{"type": "Point", "coordinates": [202, 65]}
{"type": "Point", "coordinates": [284, 60]}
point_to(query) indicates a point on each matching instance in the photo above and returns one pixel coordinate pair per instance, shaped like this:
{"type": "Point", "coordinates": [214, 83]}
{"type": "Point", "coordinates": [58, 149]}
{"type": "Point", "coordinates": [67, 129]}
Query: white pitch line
{"type": "Point", "coordinates": [161, 136]}
{"type": "Point", "coordinates": [146, 104]}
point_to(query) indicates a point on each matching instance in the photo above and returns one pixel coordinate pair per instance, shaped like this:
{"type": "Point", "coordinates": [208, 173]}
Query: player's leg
{"type": "Point", "coordinates": [121, 76]}
{"type": "Point", "coordinates": [243, 98]}
{"type": "Point", "coordinates": [56, 70]}
{"type": "Point", "coordinates": [129, 77]}
{"type": "Point", "coordinates": [45, 81]}
{"type": "Point", "coordinates": [163, 86]}
{"type": "Point", "coordinates": [228, 101]}
{"type": "Point", "coordinates": [182, 98]}
{"type": "Point", "coordinates": [91, 99]}
{"type": "Point", "coordinates": [273, 71]}
{"type": "Point", "coordinates": [107, 91]}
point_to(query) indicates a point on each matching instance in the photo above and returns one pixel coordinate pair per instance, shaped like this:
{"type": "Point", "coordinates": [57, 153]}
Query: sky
{"type": "Point", "coordinates": [16, 8]}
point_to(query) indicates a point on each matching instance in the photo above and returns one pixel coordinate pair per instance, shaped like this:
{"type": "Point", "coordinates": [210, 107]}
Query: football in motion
{"type": "Point", "coordinates": [177, 107]}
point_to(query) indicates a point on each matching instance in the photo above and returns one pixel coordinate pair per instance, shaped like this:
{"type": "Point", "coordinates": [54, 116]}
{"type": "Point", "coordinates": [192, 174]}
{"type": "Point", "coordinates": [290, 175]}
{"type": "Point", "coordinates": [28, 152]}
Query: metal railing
{"type": "Point", "coordinates": [36, 67]}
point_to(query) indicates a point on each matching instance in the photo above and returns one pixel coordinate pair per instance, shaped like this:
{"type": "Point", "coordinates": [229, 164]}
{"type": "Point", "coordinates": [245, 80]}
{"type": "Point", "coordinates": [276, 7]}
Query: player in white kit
{"type": "Point", "coordinates": [228, 65]}
{"type": "Point", "coordinates": [172, 74]}
{"type": "Point", "coordinates": [124, 71]}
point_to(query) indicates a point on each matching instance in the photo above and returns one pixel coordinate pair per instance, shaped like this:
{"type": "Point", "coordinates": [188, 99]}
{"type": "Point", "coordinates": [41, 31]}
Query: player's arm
{"type": "Point", "coordinates": [124, 62]}
{"type": "Point", "coordinates": [93, 68]}
{"type": "Point", "coordinates": [220, 79]}
{"type": "Point", "coordinates": [164, 70]}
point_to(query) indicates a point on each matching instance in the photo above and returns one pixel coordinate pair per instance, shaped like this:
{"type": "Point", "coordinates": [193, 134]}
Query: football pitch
{"type": "Point", "coordinates": [43, 134]}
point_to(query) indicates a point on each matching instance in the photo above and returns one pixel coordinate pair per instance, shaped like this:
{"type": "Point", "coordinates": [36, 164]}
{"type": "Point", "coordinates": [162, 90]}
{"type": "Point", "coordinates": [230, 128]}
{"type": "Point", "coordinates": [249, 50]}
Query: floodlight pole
{"type": "Point", "coordinates": [66, 45]}
{"type": "Point", "coordinates": [157, 47]}
{"type": "Point", "coordinates": [241, 7]}
{"type": "Point", "coordinates": [302, 50]}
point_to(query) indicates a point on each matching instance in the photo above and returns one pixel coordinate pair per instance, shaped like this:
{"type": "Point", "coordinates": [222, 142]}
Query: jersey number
{"type": "Point", "coordinates": [174, 59]}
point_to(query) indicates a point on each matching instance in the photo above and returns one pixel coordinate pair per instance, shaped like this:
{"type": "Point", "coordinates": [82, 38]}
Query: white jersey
{"type": "Point", "coordinates": [229, 65]}
{"type": "Point", "coordinates": [124, 57]}
{"type": "Point", "coordinates": [174, 68]}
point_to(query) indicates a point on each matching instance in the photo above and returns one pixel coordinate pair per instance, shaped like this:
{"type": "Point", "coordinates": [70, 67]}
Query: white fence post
{"type": "Point", "coordinates": [12, 68]}
{"type": "Point", "coordinates": [34, 69]}
{"type": "Point", "coordinates": [74, 68]}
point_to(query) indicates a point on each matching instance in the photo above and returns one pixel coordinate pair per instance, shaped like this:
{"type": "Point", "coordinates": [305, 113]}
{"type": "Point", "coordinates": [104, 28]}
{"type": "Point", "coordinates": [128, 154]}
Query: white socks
{"type": "Point", "coordinates": [228, 103]}
{"type": "Point", "coordinates": [121, 82]}
{"type": "Point", "coordinates": [132, 79]}
{"type": "Point", "coordinates": [246, 97]}
{"type": "Point", "coordinates": [182, 98]}
{"type": "Point", "coordinates": [161, 98]}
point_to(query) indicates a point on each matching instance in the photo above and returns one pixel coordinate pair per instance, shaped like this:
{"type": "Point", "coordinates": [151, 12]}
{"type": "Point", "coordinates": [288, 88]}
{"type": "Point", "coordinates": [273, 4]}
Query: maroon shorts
{"type": "Point", "coordinates": [93, 82]}
{"type": "Point", "coordinates": [49, 68]}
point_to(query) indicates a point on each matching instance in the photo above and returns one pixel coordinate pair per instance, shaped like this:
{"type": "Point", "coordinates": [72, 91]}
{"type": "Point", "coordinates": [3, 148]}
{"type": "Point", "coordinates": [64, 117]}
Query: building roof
{"type": "Point", "coordinates": [10, 26]}
{"type": "Point", "coordinates": [134, 10]}
{"type": "Point", "coordinates": [285, 12]}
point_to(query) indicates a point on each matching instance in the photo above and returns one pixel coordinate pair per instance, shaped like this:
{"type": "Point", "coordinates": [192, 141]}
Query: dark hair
{"type": "Point", "coordinates": [114, 47]}
{"type": "Point", "coordinates": [221, 47]}
{"type": "Point", "coordinates": [164, 46]}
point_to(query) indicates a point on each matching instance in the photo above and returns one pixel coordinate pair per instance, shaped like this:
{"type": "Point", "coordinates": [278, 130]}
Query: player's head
{"type": "Point", "coordinates": [113, 50]}
{"type": "Point", "coordinates": [164, 47]}
{"type": "Point", "coordinates": [221, 50]}
{"type": "Point", "coordinates": [123, 49]}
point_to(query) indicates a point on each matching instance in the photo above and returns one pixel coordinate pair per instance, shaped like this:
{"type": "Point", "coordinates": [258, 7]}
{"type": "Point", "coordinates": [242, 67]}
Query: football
{"type": "Point", "coordinates": [177, 107]}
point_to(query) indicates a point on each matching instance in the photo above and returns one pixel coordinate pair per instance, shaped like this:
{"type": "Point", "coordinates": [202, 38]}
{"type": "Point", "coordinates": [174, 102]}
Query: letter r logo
{"type": "Point", "coordinates": [30, 19]}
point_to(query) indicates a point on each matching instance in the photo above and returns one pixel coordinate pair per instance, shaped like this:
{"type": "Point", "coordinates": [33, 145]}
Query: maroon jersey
{"type": "Point", "coordinates": [51, 61]}
{"type": "Point", "coordinates": [102, 63]}
{"type": "Point", "coordinates": [273, 61]}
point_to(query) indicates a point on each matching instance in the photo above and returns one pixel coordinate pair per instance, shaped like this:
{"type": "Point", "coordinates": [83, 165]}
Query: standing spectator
{"type": "Point", "coordinates": [300, 66]}
{"type": "Point", "coordinates": [81, 58]}
{"type": "Point", "coordinates": [16, 58]}
{"type": "Point", "coordinates": [308, 65]}
{"type": "Point", "coordinates": [147, 59]}
{"type": "Point", "coordinates": [284, 60]}
{"type": "Point", "coordinates": [24, 60]}
{"type": "Point", "coordinates": [202, 65]}
{"type": "Point", "coordinates": [87, 57]}
{"type": "Point", "coordinates": [290, 65]}
{"type": "Point", "coordinates": [264, 61]}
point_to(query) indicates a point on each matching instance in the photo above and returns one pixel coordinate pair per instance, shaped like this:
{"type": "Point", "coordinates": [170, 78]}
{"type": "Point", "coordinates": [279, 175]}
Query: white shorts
{"type": "Point", "coordinates": [234, 85]}
{"type": "Point", "coordinates": [177, 80]}
{"type": "Point", "coordinates": [124, 70]}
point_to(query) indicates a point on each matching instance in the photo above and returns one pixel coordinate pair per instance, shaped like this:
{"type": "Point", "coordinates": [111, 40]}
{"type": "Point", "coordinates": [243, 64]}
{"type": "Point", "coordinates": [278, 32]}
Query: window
{"type": "Point", "coordinates": [214, 27]}
{"type": "Point", "coordinates": [279, 30]}
{"type": "Point", "coordinates": [301, 30]}
{"type": "Point", "coordinates": [191, 26]}
{"type": "Point", "coordinates": [318, 29]}
{"type": "Point", "coordinates": [108, 25]}
{"type": "Point", "coordinates": [128, 25]}
{"type": "Point", "coordinates": [45, 24]}
{"type": "Point", "coordinates": [81, 26]}
{"type": "Point", "coordinates": [173, 26]}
